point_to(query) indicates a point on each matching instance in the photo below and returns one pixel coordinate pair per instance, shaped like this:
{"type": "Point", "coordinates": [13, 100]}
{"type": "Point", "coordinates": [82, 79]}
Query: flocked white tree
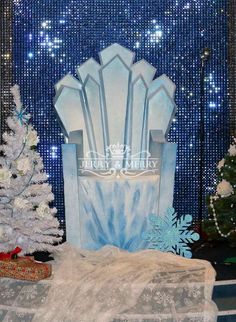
{"type": "Point", "coordinates": [26, 219]}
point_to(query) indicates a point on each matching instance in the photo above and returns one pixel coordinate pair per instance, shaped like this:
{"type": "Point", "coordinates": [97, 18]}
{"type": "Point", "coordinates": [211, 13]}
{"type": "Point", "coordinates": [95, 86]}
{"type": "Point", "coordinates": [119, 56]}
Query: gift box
{"type": "Point", "coordinates": [24, 268]}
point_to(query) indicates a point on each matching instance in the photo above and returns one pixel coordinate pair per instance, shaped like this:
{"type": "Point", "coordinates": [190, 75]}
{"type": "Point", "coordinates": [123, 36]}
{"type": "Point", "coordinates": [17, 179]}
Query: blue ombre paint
{"type": "Point", "coordinates": [121, 220]}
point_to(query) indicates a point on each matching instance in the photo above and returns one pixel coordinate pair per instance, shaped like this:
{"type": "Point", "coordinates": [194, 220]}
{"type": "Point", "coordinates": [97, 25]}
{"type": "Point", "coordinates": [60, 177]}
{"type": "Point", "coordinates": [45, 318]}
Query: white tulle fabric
{"type": "Point", "coordinates": [111, 285]}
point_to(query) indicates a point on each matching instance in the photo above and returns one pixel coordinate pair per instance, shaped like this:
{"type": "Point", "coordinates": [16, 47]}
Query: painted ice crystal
{"type": "Point", "coordinates": [171, 234]}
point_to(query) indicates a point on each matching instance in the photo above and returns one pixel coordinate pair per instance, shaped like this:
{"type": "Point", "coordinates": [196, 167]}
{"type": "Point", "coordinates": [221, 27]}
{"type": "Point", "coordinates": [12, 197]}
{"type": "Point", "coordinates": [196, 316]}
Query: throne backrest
{"type": "Point", "coordinates": [115, 103]}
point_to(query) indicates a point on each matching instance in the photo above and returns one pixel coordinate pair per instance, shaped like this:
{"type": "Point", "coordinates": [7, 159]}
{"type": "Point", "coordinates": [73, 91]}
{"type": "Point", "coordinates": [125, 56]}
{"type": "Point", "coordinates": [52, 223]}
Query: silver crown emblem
{"type": "Point", "coordinates": [117, 150]}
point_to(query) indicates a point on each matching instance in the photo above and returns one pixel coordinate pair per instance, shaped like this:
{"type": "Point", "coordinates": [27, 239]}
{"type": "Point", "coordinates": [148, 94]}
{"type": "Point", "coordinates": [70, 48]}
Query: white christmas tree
{"type": "Point", "coordinates": [26, 220]}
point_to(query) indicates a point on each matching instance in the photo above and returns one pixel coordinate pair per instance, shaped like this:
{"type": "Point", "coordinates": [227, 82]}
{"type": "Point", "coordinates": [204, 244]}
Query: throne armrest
{"type": "Point", "coordinates": [76, 137]}
{"type": "Point", "coordinates": [166, 153]}
{"type": "Point", "coordinates": [70, 174]}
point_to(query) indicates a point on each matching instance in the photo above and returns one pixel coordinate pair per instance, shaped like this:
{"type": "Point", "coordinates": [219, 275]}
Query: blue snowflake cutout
{"type": "Point", "coordinates": [171, 234]}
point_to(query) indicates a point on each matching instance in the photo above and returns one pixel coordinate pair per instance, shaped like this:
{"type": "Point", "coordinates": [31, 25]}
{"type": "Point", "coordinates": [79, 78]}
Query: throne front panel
{"type": "Point", "coordinates": [114, 211]}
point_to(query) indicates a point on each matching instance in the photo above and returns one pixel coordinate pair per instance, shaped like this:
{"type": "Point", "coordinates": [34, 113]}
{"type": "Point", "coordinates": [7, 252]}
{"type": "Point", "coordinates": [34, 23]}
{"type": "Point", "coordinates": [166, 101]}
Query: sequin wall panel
{"type": "Point", "coordinates": [52, 37]}
{"type": "Point", "coordinates": [6, 15]}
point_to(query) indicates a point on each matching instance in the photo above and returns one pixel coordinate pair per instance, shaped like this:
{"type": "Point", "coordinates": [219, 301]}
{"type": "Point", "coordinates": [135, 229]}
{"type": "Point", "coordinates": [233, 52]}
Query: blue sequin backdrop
{"type": "Point", "coordinates": [52, 37]}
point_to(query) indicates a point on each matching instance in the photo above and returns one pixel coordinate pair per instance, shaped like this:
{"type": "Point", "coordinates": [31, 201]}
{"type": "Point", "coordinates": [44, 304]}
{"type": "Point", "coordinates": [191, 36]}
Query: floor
{"type": "Point", "coordinates": [224, 295]}
{"type": "Point", "coordinates": [216, 253]}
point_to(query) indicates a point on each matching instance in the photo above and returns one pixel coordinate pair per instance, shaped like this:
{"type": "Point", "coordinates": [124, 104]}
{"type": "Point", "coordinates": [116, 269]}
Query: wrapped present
{"type": "Point", "coordinates": [23, 268]}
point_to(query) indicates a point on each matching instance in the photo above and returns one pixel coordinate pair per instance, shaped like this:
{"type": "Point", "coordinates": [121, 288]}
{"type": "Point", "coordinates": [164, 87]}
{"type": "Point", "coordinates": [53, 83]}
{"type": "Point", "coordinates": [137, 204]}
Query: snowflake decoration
{"type": "Point", "coordinates": [22, 116]}
{"type": "Point", "coordinates": [171, 234]}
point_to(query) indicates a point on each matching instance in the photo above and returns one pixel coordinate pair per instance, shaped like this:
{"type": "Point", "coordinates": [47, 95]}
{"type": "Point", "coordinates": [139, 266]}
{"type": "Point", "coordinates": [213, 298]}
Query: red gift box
{"type": "Point", "coordinates": [24, 268]}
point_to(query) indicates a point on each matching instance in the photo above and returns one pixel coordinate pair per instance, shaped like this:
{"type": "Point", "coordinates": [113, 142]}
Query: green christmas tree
{"type": "Point", "coordinates": [221, 223]}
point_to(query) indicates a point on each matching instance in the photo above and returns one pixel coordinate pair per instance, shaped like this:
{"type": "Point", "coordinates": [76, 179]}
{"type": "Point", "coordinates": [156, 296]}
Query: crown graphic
{"type": "Point", "coordinates": [117, 150]}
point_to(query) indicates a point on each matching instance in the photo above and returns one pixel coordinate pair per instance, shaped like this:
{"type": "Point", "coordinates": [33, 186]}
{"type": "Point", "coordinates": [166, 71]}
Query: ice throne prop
{"type": "Point", "coordinates": [119, 169]}
{"type": "Point", "coordinates": [118, 166]}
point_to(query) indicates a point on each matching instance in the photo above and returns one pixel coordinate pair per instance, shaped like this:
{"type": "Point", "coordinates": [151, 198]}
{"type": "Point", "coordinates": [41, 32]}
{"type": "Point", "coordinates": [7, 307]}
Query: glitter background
{"type": "Point", "coordinates": [52, 37]}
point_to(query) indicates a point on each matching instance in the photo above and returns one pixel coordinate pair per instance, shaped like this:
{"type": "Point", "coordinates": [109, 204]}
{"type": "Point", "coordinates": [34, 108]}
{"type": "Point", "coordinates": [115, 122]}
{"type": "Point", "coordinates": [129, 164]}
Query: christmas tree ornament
{"type": "Point", "coordinates": [220, 164]}
{"type": "Point", "coordinates": [232, 150]}
{"type": "Point", "coordinates": [5, 233]}
{"type": "Point", "coordinates": [21, 203]}
{"type": "Point", "coordinates": [5, 176]}
{"type": "Point", "coordinates": [23, 165]}
{"type": "Point", "coordinates": [32, 138]}
{"type": "Point", "coordinates": [217, 224]}
{"type": "Point", "coordinates": [43, 210]}
{"type": "Point", "coordinates": [224, 189]}
{"type": "Point", "coordinates": [21, 116]}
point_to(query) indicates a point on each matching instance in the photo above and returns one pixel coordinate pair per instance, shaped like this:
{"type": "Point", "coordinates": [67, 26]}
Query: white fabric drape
{"type": "Point", "coordinates": [112, 285]}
